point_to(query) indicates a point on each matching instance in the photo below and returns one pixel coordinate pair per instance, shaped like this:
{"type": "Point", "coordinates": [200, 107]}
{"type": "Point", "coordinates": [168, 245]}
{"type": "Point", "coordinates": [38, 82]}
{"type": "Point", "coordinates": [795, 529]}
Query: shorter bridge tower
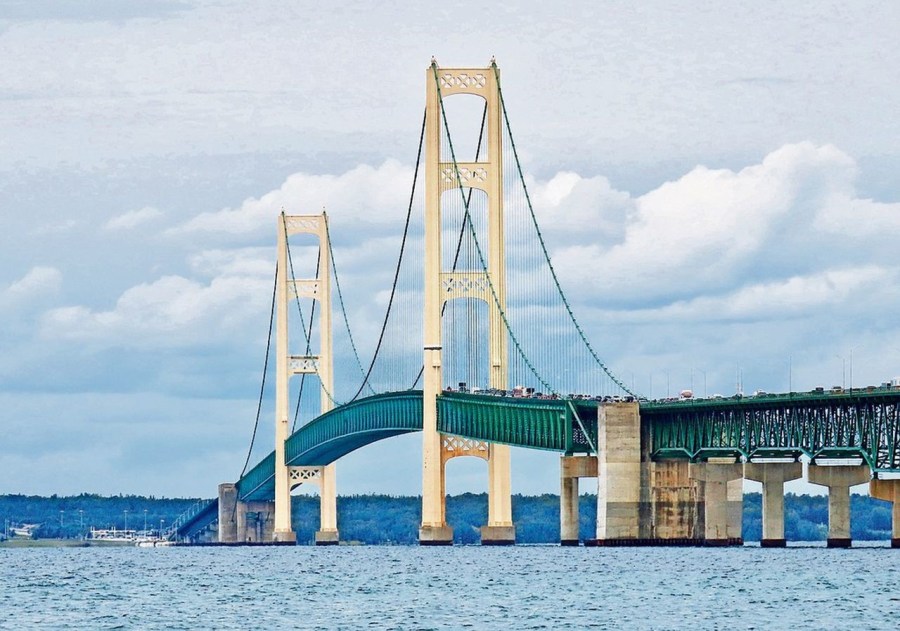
{"type": "Point", "coordinates": [288, 365]}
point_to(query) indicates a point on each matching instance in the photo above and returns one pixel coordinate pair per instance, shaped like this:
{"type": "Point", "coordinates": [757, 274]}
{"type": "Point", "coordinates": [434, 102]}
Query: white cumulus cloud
{"type": "Point", "coordinates": [364, 195]}
{"type": "Point", "coordinates": [133, 218]}
{"type": "Point", "coordinates": [39, 282]}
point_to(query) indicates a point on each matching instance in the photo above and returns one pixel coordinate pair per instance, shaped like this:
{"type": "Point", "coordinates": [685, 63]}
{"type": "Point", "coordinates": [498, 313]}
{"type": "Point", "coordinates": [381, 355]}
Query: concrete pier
{"type": "Point", "coordinates": [228, 513]}
{"type": "Point", "coordinates": [435, 535]}
{"type": "Point", "coordinates": [773, 475]}
{"type": "Point", "coordinates": [839, 479]}
{"type": "Point", "coordinates": [889, 490]}
{"type": "Point", "coordinates": [719, 527]}
{"type": "Point", "coordinates": [255, 522]}
{"type": "Point", "coordinates": [618, 472]}
{"type": "Point", "coordinates": [675, 502]}
{"type": "Point", "coordinates": [244, 522]}
{"type": "Point", "coordinates": [570, 469]}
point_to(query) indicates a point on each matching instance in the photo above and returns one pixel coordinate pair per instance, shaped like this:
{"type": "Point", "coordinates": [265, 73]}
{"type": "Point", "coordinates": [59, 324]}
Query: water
{"type": "Point", "coordinates": [526, 587]}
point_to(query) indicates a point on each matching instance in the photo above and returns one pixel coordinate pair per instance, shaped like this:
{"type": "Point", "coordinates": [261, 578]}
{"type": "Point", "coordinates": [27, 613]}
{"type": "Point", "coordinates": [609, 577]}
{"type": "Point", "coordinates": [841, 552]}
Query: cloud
{"type": "Point", "coordinates": [715, 229]}
{"type": "Point", "coordinates": [57, 227]}
{"type": "Point", "coordinates": [172, 311]}
{"type": "Point", "coordinates": [98, 10]}
{"type": "Point", "coordinates": [798, 296]}
{"type": "Point", "coordinates": [373, 196]}
{"type": "Point", "coordinates": [133, 219]}
{"type": "Point", "coordinates": [38, 283]}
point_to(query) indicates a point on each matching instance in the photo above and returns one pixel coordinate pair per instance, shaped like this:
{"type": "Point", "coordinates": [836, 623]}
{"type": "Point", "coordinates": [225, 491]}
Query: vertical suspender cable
{"type": "Point", "coordinates": [399, 262]}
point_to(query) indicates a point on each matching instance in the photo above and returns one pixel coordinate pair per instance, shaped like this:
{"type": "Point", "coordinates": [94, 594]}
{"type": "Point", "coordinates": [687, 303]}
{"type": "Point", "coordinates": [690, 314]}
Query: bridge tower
{"type": "Point", "coordinates": [288, 365]}
{"type": "Point", "coordinates": [443, 174]}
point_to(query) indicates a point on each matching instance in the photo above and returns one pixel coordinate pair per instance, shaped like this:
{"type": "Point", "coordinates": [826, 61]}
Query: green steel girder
{"type": "Point", "coordinates": [337, 433]}
{"type": "Point", "coordinates": [349, 427]}
{"type": "Point", "coordinates": [196, 518]}
{"type": "Point", "coordinates": [523, 422]}
{"type": "Point", "coordinates": [861, 424]}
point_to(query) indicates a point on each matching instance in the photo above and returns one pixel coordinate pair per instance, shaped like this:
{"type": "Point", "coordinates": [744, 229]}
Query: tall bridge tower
{"type": "Point", "coordinates": [320, 364]}
{"type": "Point", "coordinates": [444, 173]}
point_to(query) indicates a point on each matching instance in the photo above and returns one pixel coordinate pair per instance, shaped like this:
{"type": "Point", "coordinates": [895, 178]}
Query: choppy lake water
{"type": "Point", "coordinates": [525, 587]}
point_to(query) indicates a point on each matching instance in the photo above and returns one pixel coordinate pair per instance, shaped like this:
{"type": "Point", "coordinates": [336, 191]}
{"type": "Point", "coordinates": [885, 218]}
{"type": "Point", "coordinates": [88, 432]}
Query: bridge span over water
{"type": "Point", "coordinates": [859, 430]}
{"type": "Point", "coordinates": [495, 314]}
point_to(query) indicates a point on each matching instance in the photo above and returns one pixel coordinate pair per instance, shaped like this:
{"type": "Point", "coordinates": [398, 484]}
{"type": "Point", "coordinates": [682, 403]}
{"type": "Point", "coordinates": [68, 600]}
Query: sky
{"type": "Point", "coordinates": [735, 164]}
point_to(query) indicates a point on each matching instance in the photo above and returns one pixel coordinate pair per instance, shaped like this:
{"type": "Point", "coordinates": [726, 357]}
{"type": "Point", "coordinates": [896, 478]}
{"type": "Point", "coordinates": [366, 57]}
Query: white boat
{"type": "Point", "coordinates": [154, 543]}
{"type": "Point", "coordinates": [25, 530]}
{"type": "Point", "coordinates": [113, 535]}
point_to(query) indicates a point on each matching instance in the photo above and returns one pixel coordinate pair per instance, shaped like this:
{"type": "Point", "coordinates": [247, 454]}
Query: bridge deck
{"type": "Point", "coordinates": [859, 424]}
{"type": "Point", "coordinates": [854, 424]}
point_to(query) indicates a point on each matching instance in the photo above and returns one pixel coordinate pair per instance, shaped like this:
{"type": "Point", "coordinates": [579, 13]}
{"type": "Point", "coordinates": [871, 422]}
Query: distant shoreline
{"type": "Point", "coordinates": [18, 542]}
{"type": "Point", "coordinates": [386, 519]}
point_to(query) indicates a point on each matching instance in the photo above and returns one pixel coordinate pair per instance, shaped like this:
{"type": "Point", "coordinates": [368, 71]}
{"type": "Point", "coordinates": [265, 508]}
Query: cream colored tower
{"type": "Point", "coordinates": [443, 175]}
{"type": "Point", "coordinates": [321, 364]}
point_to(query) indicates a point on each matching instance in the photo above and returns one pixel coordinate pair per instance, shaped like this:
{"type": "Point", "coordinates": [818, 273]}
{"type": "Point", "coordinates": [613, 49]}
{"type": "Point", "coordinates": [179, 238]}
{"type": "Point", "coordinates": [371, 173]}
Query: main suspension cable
{"type": "Point", "coordinates": [337, 284]}
{"type": "Point", "coordinates": [462, 228]}
{"type": "Point", "coordinates": [312, 316]}
{"type": "Point", "coordinates": [262, 387]}
{"type": "Point", "coordinates": [541, 239]}
{"type": "Point", "coordinates": [290, 259]}
{"type": "Point", "coordinates": [466, 218]}
{"type": "Point", "coordinates": [387, 313]}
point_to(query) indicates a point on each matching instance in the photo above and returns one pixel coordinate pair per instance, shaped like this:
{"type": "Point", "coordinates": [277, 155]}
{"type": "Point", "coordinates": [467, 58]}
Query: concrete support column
{"type": "Point", "coordinates": [228, 513]}
{"type": "Point", "coordinates": [568, 512]}
{"type": "Point", "coordinates": [716, 478]}
{"type": "Point", "coordinates": [773, 475]}
{"type": "Point", "coordinates": [570, 469]}
{"type": "Point", "coordinates": [618, 472]}
{"type": "Point", "coordinates": [327, 535]}
{"type": "Point", "coordinates": [839, 479]}
{"type": "Point", "coordinates": [889, 491]}
{"type": "Point", "coordinates": [735, 506]}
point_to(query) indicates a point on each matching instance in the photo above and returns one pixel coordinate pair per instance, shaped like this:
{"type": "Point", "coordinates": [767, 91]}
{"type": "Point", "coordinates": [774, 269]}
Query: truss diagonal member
{"type": "Point", "coordinates": [465, 285]}
{"type": "Point", "coordinates": [303, 364]}
{"type": "Point", "coordinates": [457, 446]}
{"type": "Point", "coordinates": [304, 475]}
{"type": "Point", "coordinates": [305, 224]}
{"type": "Point", "coordinates": [470, 175]}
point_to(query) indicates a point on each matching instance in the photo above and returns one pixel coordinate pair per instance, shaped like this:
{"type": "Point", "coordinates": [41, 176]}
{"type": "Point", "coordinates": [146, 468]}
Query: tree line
{"type": "Point", "coordinates": [386, 519]}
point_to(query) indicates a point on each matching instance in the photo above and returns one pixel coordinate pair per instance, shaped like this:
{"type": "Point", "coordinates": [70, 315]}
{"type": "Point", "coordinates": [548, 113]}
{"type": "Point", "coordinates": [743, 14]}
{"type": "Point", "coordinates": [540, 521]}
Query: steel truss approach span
{"type": "Point", "coordinates": [860, 424]}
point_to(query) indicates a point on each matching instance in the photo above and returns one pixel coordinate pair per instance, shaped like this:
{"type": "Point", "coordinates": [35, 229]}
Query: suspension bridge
{"type": "Point", "coordinates": [668, 473]}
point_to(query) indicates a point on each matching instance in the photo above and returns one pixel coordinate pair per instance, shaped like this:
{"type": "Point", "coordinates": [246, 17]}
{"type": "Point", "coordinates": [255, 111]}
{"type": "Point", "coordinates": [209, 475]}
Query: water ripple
{"type": "Point", "coordinates": [526, 587]}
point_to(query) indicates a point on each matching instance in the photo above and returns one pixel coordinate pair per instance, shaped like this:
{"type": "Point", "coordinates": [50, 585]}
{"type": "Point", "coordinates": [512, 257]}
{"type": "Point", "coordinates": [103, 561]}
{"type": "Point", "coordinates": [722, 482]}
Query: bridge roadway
{"type": "Point", "coordinates": [859, 424]}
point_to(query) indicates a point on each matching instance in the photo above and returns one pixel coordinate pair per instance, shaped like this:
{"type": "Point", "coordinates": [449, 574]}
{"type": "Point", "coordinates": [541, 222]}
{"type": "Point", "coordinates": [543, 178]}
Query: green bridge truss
{"type": "Point", "coordinates": [535, 423]}
{"type": "Point", "coordinates": [848, 425]}
{"type": "Point", "coordinates": [859, 424]}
